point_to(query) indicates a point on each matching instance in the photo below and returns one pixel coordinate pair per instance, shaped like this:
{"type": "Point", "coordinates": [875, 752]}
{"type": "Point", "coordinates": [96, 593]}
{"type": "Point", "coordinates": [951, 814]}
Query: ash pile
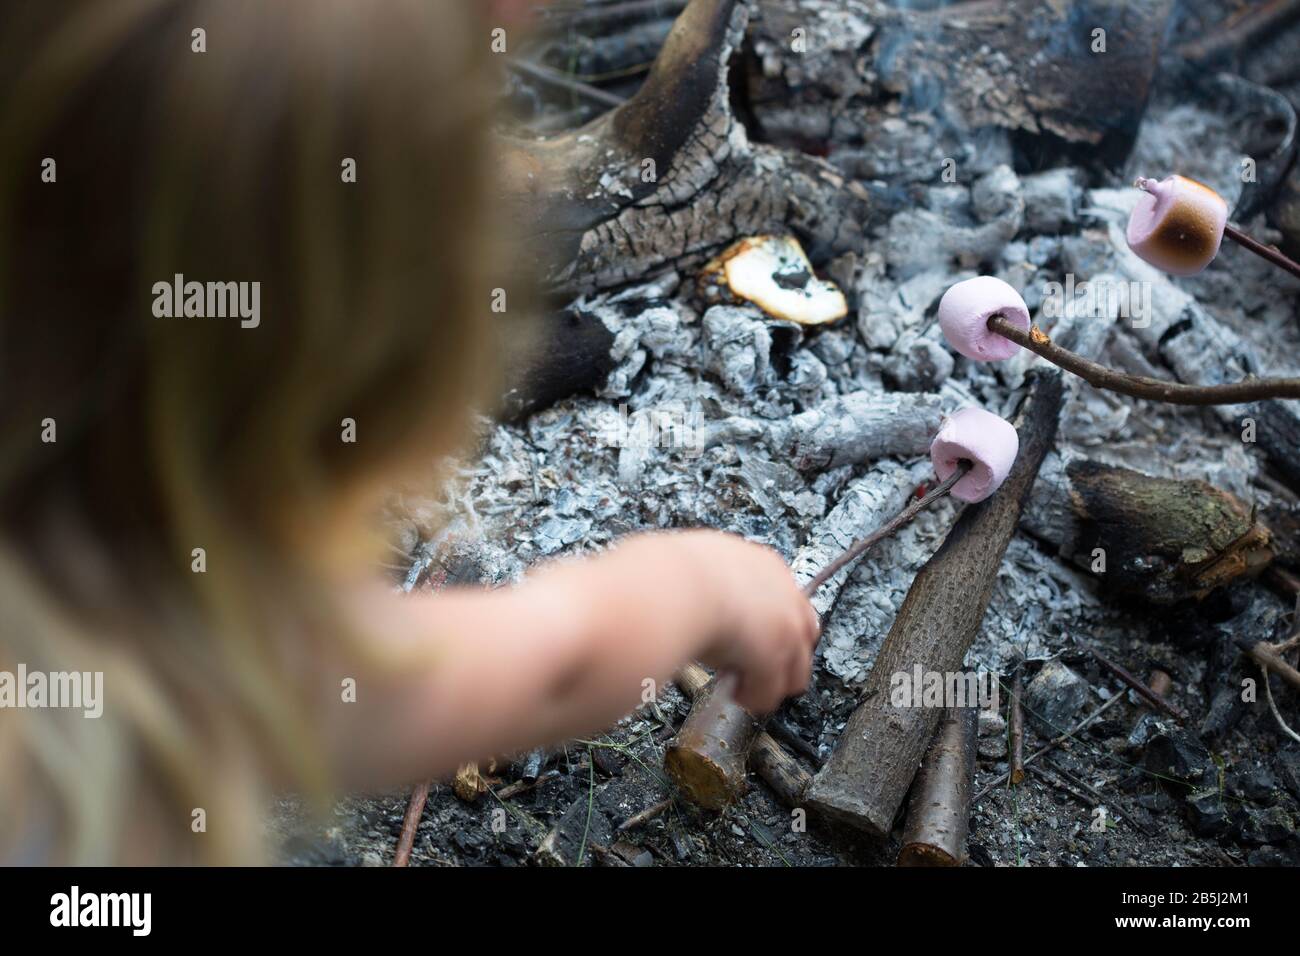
{"type": "Point", "coordinates": [747, 340]}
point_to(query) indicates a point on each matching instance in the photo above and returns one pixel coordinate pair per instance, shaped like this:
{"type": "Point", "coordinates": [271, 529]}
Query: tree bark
{"type": "Point", "coordinates": [938, 815]}
{"type": "Point", "coordinates": [1162, 540]}
{"type": "Point", "coordinates": [766, 757]}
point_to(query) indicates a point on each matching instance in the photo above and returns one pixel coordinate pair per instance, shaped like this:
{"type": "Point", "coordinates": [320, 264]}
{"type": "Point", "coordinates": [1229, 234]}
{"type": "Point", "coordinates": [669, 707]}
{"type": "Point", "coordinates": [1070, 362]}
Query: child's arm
{"type": "Point", "coordinates": [567, 652]}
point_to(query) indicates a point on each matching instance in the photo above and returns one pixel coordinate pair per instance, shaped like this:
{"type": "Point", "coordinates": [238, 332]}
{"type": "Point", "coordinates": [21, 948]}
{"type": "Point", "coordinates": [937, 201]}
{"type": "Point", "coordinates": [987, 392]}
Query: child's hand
{"type": "Point", "coordinates": [757, 623]}
{"type": "Point", "coordinates": [572, 648]}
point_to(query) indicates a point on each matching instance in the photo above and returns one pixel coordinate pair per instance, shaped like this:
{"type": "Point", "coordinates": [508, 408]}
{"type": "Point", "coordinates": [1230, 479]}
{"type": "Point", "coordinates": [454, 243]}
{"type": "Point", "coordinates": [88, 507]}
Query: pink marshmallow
{"type": "Point", "coordinates": [1177, 224]}
{"type": "Point", "coordinates": [964, 313]}
{"type": "Point", "coordinates": [988, 442]}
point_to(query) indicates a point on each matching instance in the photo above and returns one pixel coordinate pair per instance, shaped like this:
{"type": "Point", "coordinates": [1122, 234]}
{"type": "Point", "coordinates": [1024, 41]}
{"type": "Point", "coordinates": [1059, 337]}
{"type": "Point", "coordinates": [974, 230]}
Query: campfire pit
{"type": "Point", "coordinates": [904, 150]}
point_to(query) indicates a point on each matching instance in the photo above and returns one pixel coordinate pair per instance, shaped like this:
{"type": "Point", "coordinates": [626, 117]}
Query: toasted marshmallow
{"type": "Point", "coordinates": [1177, 224]}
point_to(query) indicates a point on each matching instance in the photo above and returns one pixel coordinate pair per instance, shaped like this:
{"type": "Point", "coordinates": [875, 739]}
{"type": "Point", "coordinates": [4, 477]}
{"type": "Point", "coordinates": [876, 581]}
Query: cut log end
{"type": "Point", "coordinates": [705, 781]}
{"type": "Point", "coordinates": [708, 758]}
{"type": "Point", "coordinates": [923, 854]}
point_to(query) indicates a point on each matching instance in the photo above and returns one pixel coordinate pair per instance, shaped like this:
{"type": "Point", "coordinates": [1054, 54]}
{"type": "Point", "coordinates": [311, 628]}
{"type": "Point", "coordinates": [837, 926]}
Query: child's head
{"type": "Point", "coordinates": [325, 161]}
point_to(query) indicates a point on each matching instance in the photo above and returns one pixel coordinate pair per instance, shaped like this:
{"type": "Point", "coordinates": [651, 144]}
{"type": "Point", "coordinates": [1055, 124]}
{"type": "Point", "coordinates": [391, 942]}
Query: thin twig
{"type": "Point", "coordinates": [1266, 655]}
{"type": "Point", "coordinates": [410, 824]}
{"type": "Point", "coordinates": [1017, 731]}
{"type": "Point", "coordinates": [1053, 778]}
{"type": "Point", "coordinates": [1241, 31]}
{"type": "Point", "coordinates": [523, 786]}
{"type": "Point", "coordinates": [1142, 386]}
{"type": "Point", "coordinates": [610, 14]}
{"type": "Point", "coordinates": [1121, 810]}
{"type": "Point", "coordinates": [1145, 692]}
{"type": "Point", "coordinates": [1268, 692]}
{"type": "Point", "coordinates": [1050, 746]}
{"type": "Point", "coordinates": [545, 74]}
{"type": "Point", "coordinates": [889, 527]}
{"type": "Point", "coordinates": [649, 813]}
{"type": "Point", "coordinates": [1270, 253]}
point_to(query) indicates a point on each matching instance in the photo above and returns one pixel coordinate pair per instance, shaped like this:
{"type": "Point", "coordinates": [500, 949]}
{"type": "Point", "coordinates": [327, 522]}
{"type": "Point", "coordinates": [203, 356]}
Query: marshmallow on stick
{"type": "Point", "coordinates": [972, 454]}
{"type": "Point", "coordinates": [964, 313]}
{"type": "Point", "coordinates": [986, 320]}
{"type": "Point", "coordinates": [988, 442]}
{"type": "Point", "coordinates": [1177, 225]}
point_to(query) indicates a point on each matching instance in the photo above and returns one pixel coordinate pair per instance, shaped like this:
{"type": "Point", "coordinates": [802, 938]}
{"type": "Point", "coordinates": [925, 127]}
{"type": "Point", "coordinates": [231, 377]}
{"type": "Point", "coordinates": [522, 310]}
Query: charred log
{"type": "Point", "coordinates": [620, 199]}
{"type": "Point", "coordinates": [1160, 540]}
{"type": "Point", "coordinates": [1020, 65]}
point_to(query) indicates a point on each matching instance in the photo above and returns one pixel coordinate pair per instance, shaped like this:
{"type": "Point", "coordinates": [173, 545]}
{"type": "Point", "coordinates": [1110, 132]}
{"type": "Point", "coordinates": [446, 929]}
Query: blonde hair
{"type": "Point", "coordinates": [174, 434]}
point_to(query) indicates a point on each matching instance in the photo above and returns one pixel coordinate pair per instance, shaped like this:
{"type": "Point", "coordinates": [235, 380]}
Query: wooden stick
{"type": "Point", "coordinates": [914, 508]}
{"type": "Point", "coordinates": [866, 778]}
{"type": "Point", "coordinates": [1051, 745]}
{"type": "Point", "coordinates": [938, 815]}
{"type": "Point", "coordinates": [1017, 729]}
{"type": "Point", "coordinates": [553, 77]}
{"type": "Point", "coordinates": [780, 771]}
{"type": "Point", "coordinates": [410, 824]}
{"type": "Point", "coordinates": [1121, 808]}
{"type": "Point", "coordinates": [1143, 691]}
{"type": "Point", "coordinates": [708, 757]}
{"type": "Point", "coordinates": [1265, 655]}
{"type": "Point", "coordinates": [1142, 386]}
{"type": "Point", "coordinates": [607, 15]}
{"type": "Point", "coordinates": [1270, 253]}
{"type": "Point", "coordinates": [1272, 706]}
{"type": "Point", "coordinates": [523, 786]}
{"type": "Point", "coordinates": [767, 758]}
{"type": "Point", "coordinates": [649, 813]}
{"type": "Point", "coordinates": [1241, 30]}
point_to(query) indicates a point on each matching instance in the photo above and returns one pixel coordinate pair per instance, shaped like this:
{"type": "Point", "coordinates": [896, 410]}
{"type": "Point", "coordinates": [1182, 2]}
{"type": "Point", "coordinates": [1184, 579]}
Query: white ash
{"type": "Point", "coordinates": [864, 506]}
{"type": "Point", "coordinates": [869, 600]}
{"type": "Point", "coordinates": [918, 240]}
{"type": "Point", "coordinates": [890, 309]}
{"type": "Point", "coordinates": [1052, 199]}
{"type": "Point", "coordinates": [857, 428]}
